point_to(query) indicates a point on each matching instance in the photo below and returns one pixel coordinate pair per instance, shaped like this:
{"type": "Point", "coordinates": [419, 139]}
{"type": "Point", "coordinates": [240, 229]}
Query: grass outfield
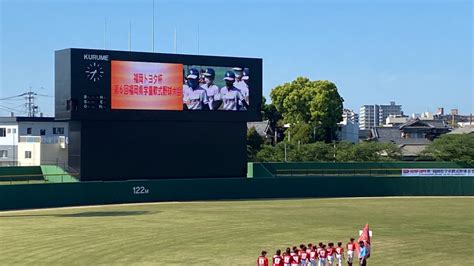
{"type": "Point", "coordinates": [407, 231]}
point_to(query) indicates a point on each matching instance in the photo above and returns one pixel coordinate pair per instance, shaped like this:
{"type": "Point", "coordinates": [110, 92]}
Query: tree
{"type": "Point", "coordinates": [328, 152]}
{"type": "Point", "coordinates": [367, 151]}
{"type": "Point", "coordinates": [270, 113]}
{"type": "Point", "coordinates": [344, 152]}
{"type": "Point", "coordinates": [451, 147]}
{"type": "Point", "coordinates": [300, 133]}
{"type": "Point", "coordinates": [270, 153]}
{"type": "Point", "coordinates": [254, 143]}
{"type": "Point", "coordinates": [316, 103]}
{"type": "Point", "coordinates": [316, 152]}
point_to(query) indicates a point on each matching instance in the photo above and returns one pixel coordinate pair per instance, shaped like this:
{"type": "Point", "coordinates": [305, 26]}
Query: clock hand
{"type": "Point", "coordinates": [93, 73]}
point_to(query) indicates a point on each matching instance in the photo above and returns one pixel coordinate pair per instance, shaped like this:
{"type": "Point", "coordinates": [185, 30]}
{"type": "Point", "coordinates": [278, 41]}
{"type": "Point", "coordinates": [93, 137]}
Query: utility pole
{"type": "Point", "coordinates": [30, 103]}
{"type": "Point", "coordinates": [31, 108]}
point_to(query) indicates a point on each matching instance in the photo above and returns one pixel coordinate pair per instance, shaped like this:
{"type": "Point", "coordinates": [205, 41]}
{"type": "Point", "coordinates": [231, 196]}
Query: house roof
{"type": "Point", "coordinates": [386, 133]}
{"type": "Point", "coordinates": [394, 135]}
{"type": "Point", "coordinates": [263, 127]}
{"type": "Point", "coordinates": [408, 147]}
{"type": "Point", "coordinates": [424, 123]}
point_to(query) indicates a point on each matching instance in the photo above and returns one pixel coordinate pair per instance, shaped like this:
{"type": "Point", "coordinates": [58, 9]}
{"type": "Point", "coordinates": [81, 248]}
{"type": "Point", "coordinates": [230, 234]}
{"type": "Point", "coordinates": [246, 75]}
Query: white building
{"type": "Point", "coordinates": [374, 115]}
{"type": "Point", "coordinates": [348, 128]}
{"type": "Point", "coordinates": [423, 116]}
{"type": "Point", "coordinates": [350, 115]}
{"type": "Point", "coordinates": [395, 120]}
{"type": "Point", "coordinates": [33, 141]}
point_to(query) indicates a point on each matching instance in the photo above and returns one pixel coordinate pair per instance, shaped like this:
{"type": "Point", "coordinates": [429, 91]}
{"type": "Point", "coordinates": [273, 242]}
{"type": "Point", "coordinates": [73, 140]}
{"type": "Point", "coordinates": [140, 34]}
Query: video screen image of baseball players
{"type": "Point", "coordinates": [216, 88]}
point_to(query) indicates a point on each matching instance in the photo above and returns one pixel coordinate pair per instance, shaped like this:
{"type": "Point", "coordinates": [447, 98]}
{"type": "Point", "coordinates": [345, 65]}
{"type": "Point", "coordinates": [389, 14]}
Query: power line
{"type": "Point", "coordinates": [30, 97]}
{"type": "Point", "coordinates": [11, 97]}
{"type": "Point", "coordinates": [9, 109]}
{"type": "Point", "coordinates": [44, 95]}
{"type": "Point", "coordinates": [13, 100]}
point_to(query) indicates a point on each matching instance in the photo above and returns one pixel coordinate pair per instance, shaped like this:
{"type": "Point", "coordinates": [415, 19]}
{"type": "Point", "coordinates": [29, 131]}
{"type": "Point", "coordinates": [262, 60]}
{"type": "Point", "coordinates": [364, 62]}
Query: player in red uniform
{"type": "Point", "coordinates": [313, 256]}
{"type": "Point", "coordinates": [339, 254]}
{"type": "Point", "coordinates": [287, 258]}
{"type": "Point", "coordinates": [294, 251]}
{"type": "Point", "coordinates": [331, 250]}
{"type": "Point", "coordinates": [320, 246]}
{"type": "Point", "coordinates": [262, 259]}
{"type": "Point", "coordinates": [277, 259]}
{"type": "Point", "coordinates": [295, 257]}
{"type": "Point", "coordinates": [322, 255]}
{"type": "Point", "coordinates": [351, 246]}
{"type": "Point", "coordinates": [300, 251]}
{"type": "Point", "coordinates": [308, 250]}
{"type": "Point", "coordinates": [304, 257]}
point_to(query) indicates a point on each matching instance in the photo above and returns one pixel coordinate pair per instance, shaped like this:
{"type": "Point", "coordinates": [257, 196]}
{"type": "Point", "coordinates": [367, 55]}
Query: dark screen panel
{"type": "Point", "coordinates": [162, 149]}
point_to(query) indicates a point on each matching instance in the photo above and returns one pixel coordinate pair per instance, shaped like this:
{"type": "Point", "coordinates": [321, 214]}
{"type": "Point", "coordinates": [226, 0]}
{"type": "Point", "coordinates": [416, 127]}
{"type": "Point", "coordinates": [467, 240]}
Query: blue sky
{"type": "Point", "coordinates": [417, 53]}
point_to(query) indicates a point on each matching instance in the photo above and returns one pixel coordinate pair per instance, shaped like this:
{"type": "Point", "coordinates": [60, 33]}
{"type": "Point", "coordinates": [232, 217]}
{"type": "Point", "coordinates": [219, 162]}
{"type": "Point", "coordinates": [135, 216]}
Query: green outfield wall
{"type": "Point", "coordinates": [93, 193]}
{"type": "Point", "coordinates": [20, 173]}
{"type": "Point", "coordinates": [349, 168]}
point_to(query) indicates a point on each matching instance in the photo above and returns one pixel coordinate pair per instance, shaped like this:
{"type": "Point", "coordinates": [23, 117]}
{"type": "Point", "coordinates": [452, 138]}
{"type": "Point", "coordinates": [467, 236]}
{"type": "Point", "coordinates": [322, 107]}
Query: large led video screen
{"type": "Point", "coordinates": [146, 86]}
{"type": "Point", "coordinates": [167, 86]}
{"type": "Point", "coordinates": [124, 85]}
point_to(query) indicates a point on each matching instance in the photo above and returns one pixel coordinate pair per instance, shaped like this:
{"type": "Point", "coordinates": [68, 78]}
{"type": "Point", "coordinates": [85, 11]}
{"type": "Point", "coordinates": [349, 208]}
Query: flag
{"type": "Point", "coordinates": [365, 237]}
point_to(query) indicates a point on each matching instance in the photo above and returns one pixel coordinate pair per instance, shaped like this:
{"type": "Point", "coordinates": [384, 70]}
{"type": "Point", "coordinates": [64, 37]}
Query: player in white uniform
{"type": "Point", "coordinates": [231, 96]}
{"type": "Point", "coordinates": [194, 97]}
{"type": "Point", "coordinates": [240, 81]}
{"type": "Point", "coordinates": [213, 92]}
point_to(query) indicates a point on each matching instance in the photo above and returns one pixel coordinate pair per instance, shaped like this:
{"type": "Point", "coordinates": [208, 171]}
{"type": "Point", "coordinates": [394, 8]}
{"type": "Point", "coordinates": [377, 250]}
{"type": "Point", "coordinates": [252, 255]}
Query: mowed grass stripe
{"type": "Point", "coordinates": [406, 231]}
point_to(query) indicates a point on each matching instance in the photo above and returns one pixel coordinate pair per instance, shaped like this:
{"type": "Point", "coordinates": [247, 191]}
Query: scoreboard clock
{"type": "Point", "coordinates": [94, 72]}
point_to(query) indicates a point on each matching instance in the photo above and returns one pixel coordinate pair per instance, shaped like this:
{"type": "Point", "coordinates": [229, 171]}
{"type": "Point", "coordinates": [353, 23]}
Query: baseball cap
{"type": "Point", "coordinates": [209, 72]}
{"type": "Point", "coordinates": [193, 73]}
{"type": "Point", "coordinates": [237, 68]}
{"type": "Point", "coordinates": [229, 75]}
{"type": "Point", "coordinates": [246, 74]}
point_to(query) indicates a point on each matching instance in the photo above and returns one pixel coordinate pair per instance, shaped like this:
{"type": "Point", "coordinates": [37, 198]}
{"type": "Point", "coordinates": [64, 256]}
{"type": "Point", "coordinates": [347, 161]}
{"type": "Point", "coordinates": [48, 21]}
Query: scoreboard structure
{"type": "Point", "coordinates": [129, 118]}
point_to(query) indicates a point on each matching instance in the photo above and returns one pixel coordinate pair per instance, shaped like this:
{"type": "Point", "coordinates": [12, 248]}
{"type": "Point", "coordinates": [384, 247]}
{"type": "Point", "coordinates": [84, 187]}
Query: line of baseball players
{"type": "Point", "coordinates": [320, 255]}
{"type": "Point", "coordinates": [200, 92]}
